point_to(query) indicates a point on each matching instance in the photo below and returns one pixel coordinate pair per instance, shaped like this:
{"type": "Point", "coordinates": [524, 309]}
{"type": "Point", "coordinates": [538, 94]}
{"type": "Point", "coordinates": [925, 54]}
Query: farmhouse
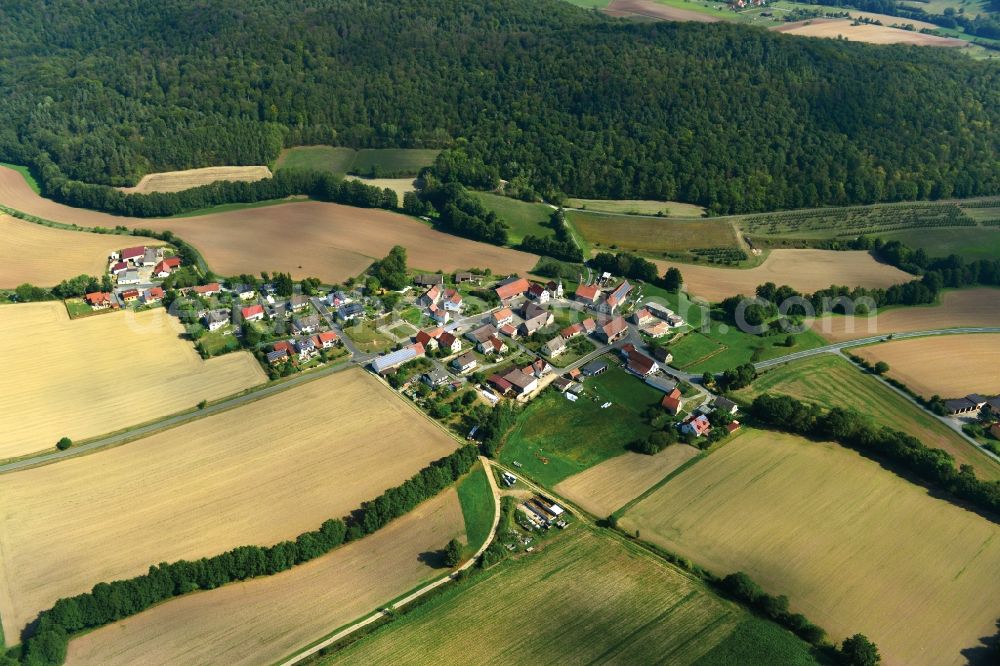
{"type": "Point", "coordinates": [637, 362]}
{"type": "Point", "coordinates": [98, 300]}
{"type": "Point", "coordinates": [511, 288]}
{"type": "Point", "coordinates": [350, 311]}
{"type": "Point", "coordinates": [509, 330]}
{"type": "Point", "coordinates": [493, 346]}
{"type": "Point", "coordinates": [522, 383]}
{"type": "Point", "coordinates": [616, 297]}
{"type": "Point", "coordinates": [306, 325]}
{"type": "Point", "coordinates": [209, 289]}
{"type": "Point", "coordinates": [725, 405]}
{"type": "Point", "coordinates": [439, 315]}
{"type": "Point", "coordinates": [429, 339]}
{"type": "Point", "coordinates": [481, 334]}
{"type": "Point", "coordinates": [326, 340]}
{"type": "Point", "coordinates": [614, 330]}
{"type": "Point", "coordinates": [119, 267]}
{"type": "Point", "coordinates": [673, 402]}
{"type": "Point", "coordinates": [555, 347]}
{"type": "Point", "coordinates": [595, 368]}
{"type": "Point", "coordinates": [435, 377]}
{"type": "Point", "coordinates": [657, 329]}
{"type": "Point", "coordinates": [642, 316]}
{"type": "Point", "coordinates": [129, 277]}
{"type": "Point", "coordinates": [165, 267]}
{"type": "Point", "coordinates": [588, 293]}
{"type": "Point", "coordinates": [450, 342]}
{"type": "Point", "coordinates": [539, 367]}
{"type": "Point", "coordinates": [133, 254]}
{"type": "Point", "coordinates": [464, 276]}
{"type": "Point", "coordinates": [696, 425]}
{"type": "Point", "coordinates": [571, 331]}
{"type": "Point", "coordinates": [253, 313]}
{"type": "Point", "coordinates": [429, 279]}
{"type": "Point", "coordinates": [499, 383]}
{"type": "Point", "coordinates": [430, 297]}
{"type": "Point", "coordinates": [130, 295]}
{"type": "Point", "coordinates": [466, 362]}
{"type": "Point", "coordinates": [216, 319]}
{"type": "Point", "coordinates": [392, 360]}
{"type": "Point", "coordinates": [244, 291]}
{"type": "Point", "coordinates": [502, 316]}
{"type": "Point", "coordinates": [530, 326]}
{"type": "Point", "coordinates": [539, 293]}
{"type": "Point", "coordinates": [152, 295]}
{"type": "Point", "coordinates": [452, 300]}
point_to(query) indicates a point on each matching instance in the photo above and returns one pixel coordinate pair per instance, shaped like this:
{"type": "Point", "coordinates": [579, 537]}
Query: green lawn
{"type": "Point", "coordinates": [476, 497]}
{"type": "Point", "coordinates": [215, 343]}
{"type": "Point", "coordinates": [555, 438]}
{"type": "Point", "coordinates": [584, 598]}
{"type": "Point", "coordinates": [402, 331]}
{"type": "Point", "coordinates": [77, 308]}
{"type": "Point", "coordinates": [26, 173]}
{"type": "Point", "coordinates": [723, 347]}
{"type": "Point", "coordinates": [831, 381]}
{"type": "Point", "coordinates": [388, 162]}
{"type": "Point", "coordinates": [969, 242]}
{"type": "Point", "coordinates": [317, 158]}
{"type": "Point", "coordinates": [367, 339]}
{"type": "Point", "coordinates": [522, 217]}
{"type": "Point", "coordinates": [413, 315]}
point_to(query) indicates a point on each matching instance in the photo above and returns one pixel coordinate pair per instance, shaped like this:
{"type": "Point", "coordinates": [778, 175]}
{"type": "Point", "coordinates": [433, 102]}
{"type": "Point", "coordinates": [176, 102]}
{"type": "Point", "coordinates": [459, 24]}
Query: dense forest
{"type": "Point", "coordinates": [731, 117]}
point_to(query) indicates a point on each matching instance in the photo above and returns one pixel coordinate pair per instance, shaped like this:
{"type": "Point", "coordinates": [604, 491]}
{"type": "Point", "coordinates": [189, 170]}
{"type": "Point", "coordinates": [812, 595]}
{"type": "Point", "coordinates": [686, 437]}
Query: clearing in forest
{"type": "Point", "coordinates": [175, 181]}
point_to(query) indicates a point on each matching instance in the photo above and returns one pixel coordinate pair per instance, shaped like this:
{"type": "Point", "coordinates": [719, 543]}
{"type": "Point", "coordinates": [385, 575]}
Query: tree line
{"type": "Point", "coordinates": [561, 246]}
{"type": "Point", "coordinates": [743, 119]}
{"type": "Point", "coordinates": [932, 466]}
{"type": "Point", "coordinates": [109, 602]}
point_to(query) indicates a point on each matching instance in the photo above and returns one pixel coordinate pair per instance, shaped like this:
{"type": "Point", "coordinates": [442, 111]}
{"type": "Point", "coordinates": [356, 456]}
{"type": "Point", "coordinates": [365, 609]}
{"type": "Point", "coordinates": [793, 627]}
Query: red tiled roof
{"type": "Point", "coordinates": [131, 252]}
{"type": "Point", "coordinates": [172, 262]}
{"type": "Point", "coordinates": [571, 330]}
{"type": "Point", "coordinates": [283, 345]}
{"type": "Point", "coordinates": [588, 291]}
{"type": "Point", "coordinates": [98, 297]}
{"type": "Point", "coordinates": [614, 327]}
{"type": "Point", "coordinates": [252, 310]}
{"type": "Point", "coordinates": [589, 324]}
{"type": "Point", "coordinates": [508, 330]}
{"type": "Point", "coordinates": [446, 340]}
{"type": "Point", "coordinates": [512, 289]}
{"type": "Point", "coordinates": [502, 314]}
{"type": "Point", "coordinates": [418, 348]}
{"type": "Point", "coordinates": [671, 404]}
{"type": "Point", "coordinates": [732, 426]}
{"type": "Point", "coordinates": [328, 336]}
{"type": "Point", "coordinates": [208, 288]}
{"type": "Point", "coordinates": [155, 293]}
{"type": "Point", "coordinates": [130, 294]}
{"type": "Point", "coordinates": [500, 383]}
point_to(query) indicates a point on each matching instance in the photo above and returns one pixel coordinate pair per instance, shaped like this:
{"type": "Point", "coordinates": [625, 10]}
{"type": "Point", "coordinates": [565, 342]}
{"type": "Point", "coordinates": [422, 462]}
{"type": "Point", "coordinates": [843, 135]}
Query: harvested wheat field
{"type": "Point", "coordinates": [947, 365]}
{"type": "Point", "coordinates": [307, 238]}
{"type": "Point", "coordinates": [257, 474]}
{"type": "Point", "coordinates": [330, 241]}
{"type": "Point", "coordinates": [398, 185]}
{"type": "Point", "coordinates": [45, 256]}
{"type": "Point", "coordinates": [654, 10]}
{"type": "Point", "coordinates": [862, 32]}
{"type": "Point", "coordinates": [101, 374]}
{"type": "Point", "coordinates": [609, 486]}
{"type": "Point", "coordinates": [175, 181]}
{"type": "Point", "coordinates": [861, 550]}
{"type": "Point", "coordinates": [264, 620]}
{"type": "Point", "coordinates": [964, 308]}
{"type": "Point", "coordinates": [805, 270]}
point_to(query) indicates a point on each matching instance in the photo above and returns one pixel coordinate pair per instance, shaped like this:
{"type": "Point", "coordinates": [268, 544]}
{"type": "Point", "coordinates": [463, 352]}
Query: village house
{"type": "Point", "coordinates": [616, 298]}
{"type": "Point", "coordinates": [439, 315]}
{"type": "Point", "coordinates": [493, 346]}
{"type": "Point", "coordinates": [587, 293]}
{"type": "Point", "coordinates": [511, 288]}
{"type": "Point", "coordinates": [637, 362]}
{"type": "Point", "coordinates": [530, 326]}
{"type": "Point", "coordinates": [306, 348]}
{"type": "Point", "coordinates": [430, 297]}
{"type": "Point", "coordinates": [614, 330]}
{"type": "Point", "coordinates": [589, 325]}
{"type": "Point", "coordinates": [277, 356]}
{"type": "Point", "coordinates": [642, 316]}
{"type": "Point", "coordinates": [429, 279]}
{"type": "Point", "coordinates": [481, 334]}
{"type": "Point", "coordinates": [521, 383]}
{"type": "Point", "coordinates": [337, 298]}
{"type": "Point", "coordinates": [216, 319]}
{"type": "Point", "coordinates": [244, 292]}
{"type": "Point", "coordinates": [130, 276]}
{"type": "Point", "coordinates": [326, 340]}
{"type": "Point", "coordinates": [562, 384]}
{"type": "Point", "coordinates": [539, 367]}
{"type": "Point", "coordinates": [502, 316]}
{"type": "Point", "coordinates": [725, 405]}
{"type": "Point", "coordinates": [537, 292]}
{"type": "Point", "coordinates": [120, 267]}
{"type": "Point", "coordinates": [210, 289]}
{"type": "Point", "coordinates": [98, 300]}
{"type": "Point", "coordinates": [285, 346]}
{"type": "Point", "coordinates": [509, 330]}
{"type": "Point", "coordinates": [732, 427]}
{"type": "Point", "coordinates": [696, 425]}
{"type": "Point", "coordinates": [499, 383]}
{"type": "Point", "coordinates": [165, 267]}
{"type": "Point", "coordinates": [350, 311]}
{"type": "Point", "coordinates": [657, 329]}
{"type": "Point", "coordinates": [305, 325]}
{"type": "Point", "coordinates": [571, 331]}
{"type": "Point", "coordinates": [452, 300]}
{"type": "Point", "coordinates": [662, 354]}
{"type": "Point", "coordinates": [298, 302]}
{"type": "Point", "coordinates": [450, 342]}
{"type": "Point", "coordinates": [253, 313]}
{"type": "Point", "coordinates": [435, 377]}
{"type": "Point", "coordinates": [465, 363]}
{"type": "Point", "coordinates": [555, 347]}
{"type": "Point", "coordinates": [428, 338]}
{"type": "Point", "coordinates": [129, 296]}
{"type": "Point", "coordinates": [673, 402]}
{"type": "Point", "coordinates": [153, 295]}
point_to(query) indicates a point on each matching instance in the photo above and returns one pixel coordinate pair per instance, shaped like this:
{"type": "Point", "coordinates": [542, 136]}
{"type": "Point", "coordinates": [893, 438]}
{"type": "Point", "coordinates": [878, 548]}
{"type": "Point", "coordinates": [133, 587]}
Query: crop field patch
{"type": "Point", "coordinates": [951, 366]}
{"type": "Point", "coordinates": [660, 12]}
{"type": "Point", "coordinates": [376, 162]}
{"type": "Point", "coordinates": [831, 381]}
{"type": "Point", "coordinates": [85, 385]}
{"type": "Point", "coordinates": [267, 619]}
{"type": "Point", "coordinates": [850, 549]}
{"type": "Point", "coordinates": [638, 207]}
{"type": "Point", "coordinates": [609, 486]}
{"type": "Point", "coordinates": [176, 181]}
{"type": "Point", "coordinates": [652, 234]}
{"type": "Point", "coordinates": [398, 185]}
{"type": "Point", "coordinates": [863, 32]}
{"type": "Point", "coordinates": [259, 473]}
{"type": "Point", "coordinates": [962, 308]}
{"type": "Point", "coordinates": [45, 256]}
{"type": "Point", "coordinates": [805, 270]}
{"type": "Point", "coordinates": [583, 598]}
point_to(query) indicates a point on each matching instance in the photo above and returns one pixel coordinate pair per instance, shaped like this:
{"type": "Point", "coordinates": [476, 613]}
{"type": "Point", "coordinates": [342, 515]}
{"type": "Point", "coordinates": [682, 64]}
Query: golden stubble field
{"type": "Point", "coordinates": [858, 550]}
{"type": "Point", "coordinates": [609, 486]}
{"type": "Point", "coordinates": [306, 238]}
{"type": "Point", "coordinates": [964, 308]}
{"type": "Point", "coordinates": [262, 621]}
{"type": "Point", "coordinates": [805, 270]}
{"type": "Point", "coordinates": [175, 181]}
{"type": "Point", "coordinates": [947, 365]}
{"type": "Point", "coordinates": [873, 34]}
{"type": "Point", "coordinates": [257, 474]}
{"type": "Point", "coordinates": [100, 374]}
{"type": "Point", "coordinates": [44, 256]}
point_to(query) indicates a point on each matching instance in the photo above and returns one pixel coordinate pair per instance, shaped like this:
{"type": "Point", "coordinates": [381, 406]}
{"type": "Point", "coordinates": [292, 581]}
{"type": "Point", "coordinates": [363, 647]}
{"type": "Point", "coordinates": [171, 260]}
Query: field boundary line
{"type": "Point", "coordinates": [415, 594]}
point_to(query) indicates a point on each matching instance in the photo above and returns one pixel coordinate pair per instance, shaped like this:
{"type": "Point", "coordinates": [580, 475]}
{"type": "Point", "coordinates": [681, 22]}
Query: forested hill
{"type": "Point", "coordinates": [730, 117]}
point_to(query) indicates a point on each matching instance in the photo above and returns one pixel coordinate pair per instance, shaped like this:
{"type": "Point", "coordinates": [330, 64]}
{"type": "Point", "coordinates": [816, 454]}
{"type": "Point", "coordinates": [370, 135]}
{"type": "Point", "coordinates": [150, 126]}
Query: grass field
{"type": "Point", "coordinates": [850, 543]}
{"type": "Point", "coordinates": [555, 438]}
{"type": "Point", "coordinates": [831, 381]}
{"type": "Point", "coordinates": [722, 347]}
{"type": "Point", "coordinates": [606, 487]}
{"type": "Point", "coordinates": [478, 507]}
{"type": "Point", "coordinates": [44, 256]}
{"type": "Point", "coordinates": [959, 308]}
{"type": "Point", "coordinates": [584, 598]}
{"type": "Point", "coordinates": [653, 235]}
{"type": "Point", "coordinates": [638, 207]}
{"type": "Point", "coordinates": [175, 181]}
{"type": "Point", "coordinates": [950, 366]}
{"type": "Point", "coordinates": [523, 218]}
{"type": "Point", "coordinates": [264, 620]}
{"type": "Point", "coordinates": [805, 270]}
{"type": "Point", "coordinates": [368, 339]}
{"type": "Point", "coordinates": [64, 378]}
{"type": "Point", "coordinates": [257, 474]}
{"type": "Point", "coordinates": [386, 162]}
{"type": "Point", "coordinates": [968, 242]}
